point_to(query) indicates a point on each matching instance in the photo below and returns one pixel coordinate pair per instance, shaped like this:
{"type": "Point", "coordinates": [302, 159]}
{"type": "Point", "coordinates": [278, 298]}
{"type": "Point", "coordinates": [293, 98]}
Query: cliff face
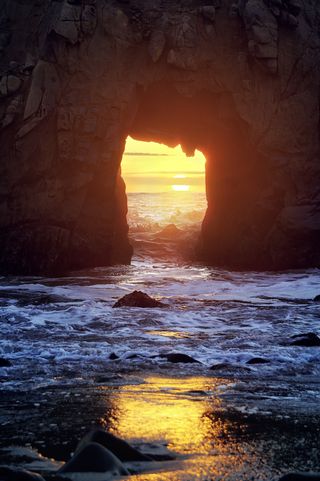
{"type": "Point", "coordinates": [237, 80]}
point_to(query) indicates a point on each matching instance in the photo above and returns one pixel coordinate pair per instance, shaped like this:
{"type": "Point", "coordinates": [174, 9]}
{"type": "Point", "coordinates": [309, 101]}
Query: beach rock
{"type": "Point", "coordinates": [258, 360]}
{"type": "Point", "coordinates": [94, 458]}
{"type": "Point", "coordinates": [301, 477]}
{"type": "Point", "coordinates": [4, 362]}
{"type": "Point", "coordinates": [310, 339]}
{"type": "Point", "coordinates": [113, 356]}
{"type": "Point", "coordinates": [317, 298]}
{"type": "Point", "coordinates": [138, 299]}
{"type": "Point", "coordinates": [223, 366]}
{"type": "Point", "coordinates": [8, 474]}
{"type": "Point", "coordinates": [120, 448]}
{"type": "Point", "coordinates": [171, 232]}
{"type": "Point", "coordinates": [176, 357]}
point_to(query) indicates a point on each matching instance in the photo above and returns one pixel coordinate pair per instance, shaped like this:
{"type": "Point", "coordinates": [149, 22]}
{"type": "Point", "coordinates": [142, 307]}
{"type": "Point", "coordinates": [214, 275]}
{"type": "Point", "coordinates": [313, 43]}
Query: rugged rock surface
{"type": "Point", "coordinates": [238, 80]}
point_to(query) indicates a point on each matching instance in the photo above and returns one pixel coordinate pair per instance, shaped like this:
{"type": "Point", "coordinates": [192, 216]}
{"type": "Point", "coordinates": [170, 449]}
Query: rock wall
{"type": "Point", "coordinates": [237, 80]}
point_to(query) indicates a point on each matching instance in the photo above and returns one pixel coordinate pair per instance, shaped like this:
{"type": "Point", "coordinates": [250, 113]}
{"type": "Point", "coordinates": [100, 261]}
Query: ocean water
{"type": "Point", "coordinates": [63, 330]}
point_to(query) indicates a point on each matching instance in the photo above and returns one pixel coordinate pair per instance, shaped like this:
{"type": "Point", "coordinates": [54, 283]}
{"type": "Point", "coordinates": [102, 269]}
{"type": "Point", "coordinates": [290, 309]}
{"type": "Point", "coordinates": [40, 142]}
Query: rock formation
{"type": "Point", "coordinates": [237, 80]}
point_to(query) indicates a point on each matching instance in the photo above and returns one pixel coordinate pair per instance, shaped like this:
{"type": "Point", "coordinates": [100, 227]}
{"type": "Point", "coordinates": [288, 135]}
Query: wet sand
{"type": "Point", "coordinates": [201, 421]}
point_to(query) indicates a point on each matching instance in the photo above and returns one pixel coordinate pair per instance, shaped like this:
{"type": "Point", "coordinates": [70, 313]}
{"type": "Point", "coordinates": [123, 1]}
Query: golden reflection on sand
{"type": "Point", "coordinates": [185, 415]}
{"type": "Point", "coordinates": [169, 409]}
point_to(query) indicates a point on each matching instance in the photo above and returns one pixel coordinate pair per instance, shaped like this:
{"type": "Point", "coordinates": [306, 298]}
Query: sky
{"type": "Point", "coordinates": [152, 167]}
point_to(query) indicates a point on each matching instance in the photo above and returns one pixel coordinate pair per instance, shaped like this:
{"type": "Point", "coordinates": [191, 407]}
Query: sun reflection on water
{"type": "Point", "coordinates": [168, 409]}
{"type": "Point", "coordinates": [173, 334]}
{"type": "Point", "coordinates": [186, 416]}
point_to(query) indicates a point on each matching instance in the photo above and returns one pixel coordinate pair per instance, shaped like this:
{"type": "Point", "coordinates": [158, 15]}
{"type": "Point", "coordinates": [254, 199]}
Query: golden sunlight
{"type": "Point", "coordinates": [183, 416]}
{"type": "Point", "coordinates": [180, 188]}
{"type": "Point", "coordinates": [165, 409]}
{"type": "Point", "coordinates": [153, 167]}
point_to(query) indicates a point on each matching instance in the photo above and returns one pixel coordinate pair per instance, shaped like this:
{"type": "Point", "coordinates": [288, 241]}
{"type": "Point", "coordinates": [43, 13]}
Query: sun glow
{"type": "Point", "coordinates": [180, 188]}
{"type": "Point", "coordinates": [164, 408]}
{"type": "Point", "coordinates": [182, 415]}
{"type": "Point", "coordinates": [152, 167]}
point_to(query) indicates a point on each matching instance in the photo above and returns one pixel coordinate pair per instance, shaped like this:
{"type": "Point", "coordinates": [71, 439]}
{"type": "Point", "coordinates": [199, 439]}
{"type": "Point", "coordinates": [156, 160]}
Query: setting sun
{"type": "Point", "coordinates": [152, 167]}
{"type": "Point", "coordinates": [180, 188]}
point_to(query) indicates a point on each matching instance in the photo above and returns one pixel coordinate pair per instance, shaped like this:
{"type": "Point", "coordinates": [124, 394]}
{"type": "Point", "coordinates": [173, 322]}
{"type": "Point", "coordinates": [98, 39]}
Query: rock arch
{"type": "Point", "coordinates": [240, 81]}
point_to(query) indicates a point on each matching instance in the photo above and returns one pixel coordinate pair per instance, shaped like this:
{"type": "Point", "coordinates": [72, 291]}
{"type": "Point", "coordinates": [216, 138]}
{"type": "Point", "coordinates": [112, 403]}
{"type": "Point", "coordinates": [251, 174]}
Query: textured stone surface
{"type": "Point", "coordinates": [237, 80]}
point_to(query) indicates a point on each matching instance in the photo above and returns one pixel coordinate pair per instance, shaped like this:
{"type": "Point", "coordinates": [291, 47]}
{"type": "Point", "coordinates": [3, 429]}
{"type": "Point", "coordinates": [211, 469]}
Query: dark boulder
{"type": "Point", "coordinates": [94, 458]}
{"type": "Point", "coordinates": [258, 360]}
{"type": "Point", "coordinates": [113, 356]}
{"type": "Point", "coordinates": [138, 299]}
{"type": "Point", "coordinates": [120, 448]}
{"type": "Point", "coordinates": [309, 339]}
{"type": "Point", "coordinates": [4, 362]}
{"type": "Point", "coordinates": [224, 366]}
{"type": "Point", "coordinates": [317, 298]}
{"type": "Point", "coordinates": [301, 477]}
{"type": "Point", "coordinates": [8, 474]}
{"type": "Point", "coordinates": [170, 232]}
{"type": "Point", "coordinates": [176, 357]}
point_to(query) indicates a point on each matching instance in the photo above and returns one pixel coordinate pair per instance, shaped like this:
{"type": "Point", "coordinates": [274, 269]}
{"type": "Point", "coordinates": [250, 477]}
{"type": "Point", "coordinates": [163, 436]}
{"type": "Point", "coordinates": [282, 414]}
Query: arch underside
{"type": "Point", "coordinates": [193, 74]}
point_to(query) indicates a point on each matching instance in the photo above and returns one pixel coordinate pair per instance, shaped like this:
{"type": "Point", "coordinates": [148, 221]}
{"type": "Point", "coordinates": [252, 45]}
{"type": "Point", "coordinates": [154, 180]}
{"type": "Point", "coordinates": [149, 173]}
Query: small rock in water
{"type": "Point", "coordinates": [138, 299]}
{"type": "Point", "coordinates": [171, 231]}
{"type": "Point", "coordinates": [121, 449]}
{"type": "Point", "coordinates": [93, 458]}
{"type": "Point", "coordinates": [8, 474]}
{"type": "Point", "coordinates": [258, 360]}
{"type": "Point", "coordinates": [113, 356]}
{"type": "Point", "coordinates": [229, 367]}
{"type": "Point", "coordinates": [301, 477]}
{"type": "Point", "coordinates": [176, 357]}
{"type": "Point", "coordinates": [309, 339]}
{"type": "Point", "coordinates": [4, 362]}
{"type": "Point", "coordinates": [317, 298]}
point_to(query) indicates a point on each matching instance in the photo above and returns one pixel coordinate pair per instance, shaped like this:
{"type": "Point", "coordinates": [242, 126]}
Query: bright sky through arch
{"type": "Point", "coordinates": [153, 167]}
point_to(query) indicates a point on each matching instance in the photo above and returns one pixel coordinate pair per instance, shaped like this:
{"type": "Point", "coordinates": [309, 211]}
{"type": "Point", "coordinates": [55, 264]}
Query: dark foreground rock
{"type": "Point", "coordinates": [301, 477]}
{"type": "Point", "coordinates": [94, 458]}
{"type": "Point", "coordinates": [309, 339]}
{"type": "Point", "coordinates": [120, 448]}
{"type": "Point", "coordinates": [138, 299]}
{"type": "Point", "coordinates": [8, 474]}
{"type": "Point", "coordinates": [4, 362]}
{"type": "Point", "coordinates": [317, 298]}
{"type": "Point", "coordinates": [176, 357]}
